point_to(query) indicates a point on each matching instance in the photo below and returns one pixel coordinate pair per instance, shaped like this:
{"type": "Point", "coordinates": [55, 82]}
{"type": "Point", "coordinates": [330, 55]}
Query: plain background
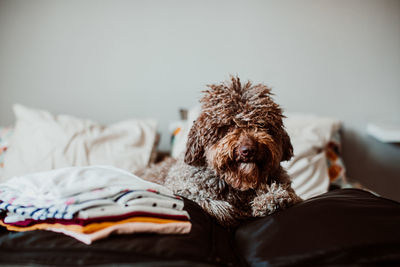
{"type": "Point", "coordinates": [113, 60]}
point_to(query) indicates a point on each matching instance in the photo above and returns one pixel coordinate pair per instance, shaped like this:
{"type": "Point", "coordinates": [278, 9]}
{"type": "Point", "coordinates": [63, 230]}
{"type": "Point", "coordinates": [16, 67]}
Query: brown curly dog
{"type": "Point", "coordinates": [231, 166]}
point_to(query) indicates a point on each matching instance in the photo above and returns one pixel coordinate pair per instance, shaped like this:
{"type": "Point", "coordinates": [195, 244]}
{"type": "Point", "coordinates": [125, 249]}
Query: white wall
{"type": "Point", "coordinates": [111, 60]}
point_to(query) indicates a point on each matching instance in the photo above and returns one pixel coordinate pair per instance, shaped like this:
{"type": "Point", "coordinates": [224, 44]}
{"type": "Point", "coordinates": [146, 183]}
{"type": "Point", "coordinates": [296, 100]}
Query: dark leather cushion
{"type": "Point", "coordinates": [346, 226]}
{"type": "Point", "coordinates": [206, 244]}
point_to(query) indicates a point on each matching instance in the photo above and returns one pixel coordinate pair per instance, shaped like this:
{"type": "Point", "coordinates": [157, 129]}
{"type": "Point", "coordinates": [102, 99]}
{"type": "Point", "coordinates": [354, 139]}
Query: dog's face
{"type": "Point", "coordinates": [239, 134]}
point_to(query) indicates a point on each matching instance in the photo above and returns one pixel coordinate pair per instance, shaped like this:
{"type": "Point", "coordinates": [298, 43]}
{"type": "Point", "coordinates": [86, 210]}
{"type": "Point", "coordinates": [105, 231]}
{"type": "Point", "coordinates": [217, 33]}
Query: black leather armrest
{"type": "Point", "coordinates": [347, 226]}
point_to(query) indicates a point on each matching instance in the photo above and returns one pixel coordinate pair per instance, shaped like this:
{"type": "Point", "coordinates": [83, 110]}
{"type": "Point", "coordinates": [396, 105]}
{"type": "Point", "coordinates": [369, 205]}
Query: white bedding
{"type": "Point", "coordinates": [42, 141]}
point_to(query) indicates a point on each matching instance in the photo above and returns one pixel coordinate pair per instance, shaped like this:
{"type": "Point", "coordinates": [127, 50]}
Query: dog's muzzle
{"type": "Point", "coordinates": [246, 150]}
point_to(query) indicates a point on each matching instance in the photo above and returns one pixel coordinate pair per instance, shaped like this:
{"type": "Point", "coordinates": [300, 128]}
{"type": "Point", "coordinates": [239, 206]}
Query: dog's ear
{"type": "Point", "coordinates": [194, 154]}
{"type": "Point", "coordinates": [287, 148]}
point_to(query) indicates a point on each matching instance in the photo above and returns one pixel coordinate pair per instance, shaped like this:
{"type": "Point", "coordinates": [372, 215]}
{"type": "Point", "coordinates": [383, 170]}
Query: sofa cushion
{"type": "Point", "coordinates": [346, 226]}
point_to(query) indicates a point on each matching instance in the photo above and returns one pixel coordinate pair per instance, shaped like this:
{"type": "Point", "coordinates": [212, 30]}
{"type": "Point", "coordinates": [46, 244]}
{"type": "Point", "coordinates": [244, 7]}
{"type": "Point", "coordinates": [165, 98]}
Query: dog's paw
{"type": "Point", "coordinates": [264, 205]}
{"type": "Point", "coordinates": [277, 197]}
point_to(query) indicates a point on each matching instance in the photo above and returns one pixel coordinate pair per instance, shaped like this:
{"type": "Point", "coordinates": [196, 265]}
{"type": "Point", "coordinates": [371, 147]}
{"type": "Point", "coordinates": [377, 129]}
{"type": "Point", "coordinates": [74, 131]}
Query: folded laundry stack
{"type": "Point", "coordinates": [90, 203]}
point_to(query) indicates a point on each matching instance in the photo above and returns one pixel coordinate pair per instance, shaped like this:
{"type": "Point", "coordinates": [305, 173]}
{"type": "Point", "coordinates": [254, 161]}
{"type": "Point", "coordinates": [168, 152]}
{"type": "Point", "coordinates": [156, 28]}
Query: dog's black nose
{"type": "Point", "coordinates": [246, 151]}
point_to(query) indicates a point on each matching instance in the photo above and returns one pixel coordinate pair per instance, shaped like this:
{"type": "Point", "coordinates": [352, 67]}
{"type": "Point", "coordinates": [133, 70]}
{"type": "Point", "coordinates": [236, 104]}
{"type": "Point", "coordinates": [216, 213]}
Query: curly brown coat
{"type": "Point", "coordinates": [231, 166]}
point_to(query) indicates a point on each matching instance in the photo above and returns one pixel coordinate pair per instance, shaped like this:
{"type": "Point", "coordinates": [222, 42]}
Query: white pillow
{"type": "Point", "coordinates": [309, 135]}
{"type": "Point", "coordinates": [42, 141]}
{"type": "Point", "coordinates": [308, 168]}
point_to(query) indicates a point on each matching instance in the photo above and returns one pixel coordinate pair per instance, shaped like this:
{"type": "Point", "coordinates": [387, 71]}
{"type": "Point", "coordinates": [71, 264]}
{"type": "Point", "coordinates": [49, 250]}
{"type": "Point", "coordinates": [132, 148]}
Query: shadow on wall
{"type": "Point", "coordinates": [372, 163]}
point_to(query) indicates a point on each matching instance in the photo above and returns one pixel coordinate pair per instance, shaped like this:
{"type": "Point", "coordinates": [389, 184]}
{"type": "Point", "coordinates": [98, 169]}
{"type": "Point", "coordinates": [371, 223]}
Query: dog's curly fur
{"type": "Point", "coordinates": [231, 166]}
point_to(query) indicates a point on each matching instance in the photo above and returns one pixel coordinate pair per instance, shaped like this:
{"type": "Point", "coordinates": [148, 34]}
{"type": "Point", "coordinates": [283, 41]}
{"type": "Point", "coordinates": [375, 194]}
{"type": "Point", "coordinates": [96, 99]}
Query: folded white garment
{"type": "Point", "coordinates": [63, 193]}
{"type": "Point", "coordinates": [70, 181]}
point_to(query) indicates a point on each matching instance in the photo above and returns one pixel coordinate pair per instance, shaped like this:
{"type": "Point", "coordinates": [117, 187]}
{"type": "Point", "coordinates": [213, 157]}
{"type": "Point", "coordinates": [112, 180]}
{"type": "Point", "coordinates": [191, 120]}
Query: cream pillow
{"type": "Point", "coordinates": [42, 141]}
{"type": "Point", "coordinates": [309, 134]}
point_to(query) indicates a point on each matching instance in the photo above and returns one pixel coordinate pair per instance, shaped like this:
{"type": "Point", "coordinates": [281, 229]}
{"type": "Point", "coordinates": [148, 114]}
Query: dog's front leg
{"type": "Point", "coordinates": [275, 197]}
{"type": "Point", "coordinates": [219, 209]}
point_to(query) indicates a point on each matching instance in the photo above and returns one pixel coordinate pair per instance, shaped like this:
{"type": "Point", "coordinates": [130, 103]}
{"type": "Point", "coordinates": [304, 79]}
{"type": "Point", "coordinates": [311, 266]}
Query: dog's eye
{"type": "Point", "coordinates": [261, 125]}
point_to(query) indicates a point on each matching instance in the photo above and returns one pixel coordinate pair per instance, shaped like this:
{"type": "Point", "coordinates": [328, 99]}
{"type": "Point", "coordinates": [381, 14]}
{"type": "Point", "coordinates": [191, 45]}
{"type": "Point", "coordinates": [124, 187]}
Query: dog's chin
{"type": "Point", "coordinates": [244, 177]}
